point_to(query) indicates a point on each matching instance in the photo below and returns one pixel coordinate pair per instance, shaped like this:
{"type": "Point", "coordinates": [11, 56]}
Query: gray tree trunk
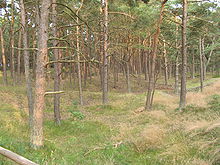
{"type": "Point", "coordinates": [57, 116]}
{"type": "Point", "coordinates": [26, 56]}
{"type": "Point", "coordinates": [105, 54]}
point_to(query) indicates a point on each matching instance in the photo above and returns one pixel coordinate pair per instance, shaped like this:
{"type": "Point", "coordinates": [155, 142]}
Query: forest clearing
{"type": "Point", "coordinates": [109, 82]}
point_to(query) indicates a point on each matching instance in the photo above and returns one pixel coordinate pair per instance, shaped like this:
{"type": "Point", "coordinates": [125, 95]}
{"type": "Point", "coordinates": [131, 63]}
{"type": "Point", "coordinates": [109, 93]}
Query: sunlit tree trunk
{"type": "Point", "coordinates": [201, 64]}
{"type": "Point", "coordinates": [182, 103]}
{"type": "Point", "coordinates": [37, 129]}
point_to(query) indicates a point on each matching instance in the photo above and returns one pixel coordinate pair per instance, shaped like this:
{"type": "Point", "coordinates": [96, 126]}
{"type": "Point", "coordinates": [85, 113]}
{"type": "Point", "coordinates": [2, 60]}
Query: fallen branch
{"type": "Point", "coordinates": [15, 157]}
{"type": "Point", "coordinates": [56, 92]}
{"type": "Point", "coordinates": [103, 147]}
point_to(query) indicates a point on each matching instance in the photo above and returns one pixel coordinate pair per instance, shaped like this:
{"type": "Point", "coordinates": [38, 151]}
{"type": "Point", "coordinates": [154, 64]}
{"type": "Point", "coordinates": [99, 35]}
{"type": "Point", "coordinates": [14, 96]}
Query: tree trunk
{"type": "Point", "coordinates": [57, 116]}
{"type": "Point", "coordinates": [201, 64]}
{"type": "Point", "coordinates": [193, 66]}
{"type": "Point", "coordinates": [3, 58]}
{"type": "Point", "coordinates": [128, 77]}
{"type": "Point", "coordinates": [19, 58]}
{"type": "Point", "coordinates": [37, 129]}
{"type": "Point", "coordinates": [152, 80]}
{"type": "Point", "coordinates": [165, 63]}
{"type": "Point", "coordinates": [12, 44]}
{"type": "Point", "coordinates": [182, 103]}
{"type": "Point", "coordinates": [139, 62]}
{"type": "Point", "coordinates": [176, 90]}
{"type": "Point", "coordinates": [203, 58]}
{"type": "Point", "coordinates": [26, 56]}
{"type": "Point", "coordinates": [78, 58]}
{"type": "Point", "coordinates": [105, 54]}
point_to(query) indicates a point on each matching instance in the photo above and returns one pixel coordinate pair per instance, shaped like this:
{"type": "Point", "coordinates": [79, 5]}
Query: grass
{"type": "Point", "coordinates": [117, 133]}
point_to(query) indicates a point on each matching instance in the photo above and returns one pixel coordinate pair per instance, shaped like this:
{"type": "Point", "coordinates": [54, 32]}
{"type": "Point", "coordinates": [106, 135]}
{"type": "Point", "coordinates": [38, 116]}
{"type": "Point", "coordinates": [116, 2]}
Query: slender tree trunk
{"type": "Point", "coordinates": [139, 62]}
{"type": "Point", "coordinates": [78, 58]}
{"type": "Point", "coordinates": [3, 58]}
{"type": "Point", "coordinates": [176, 90]}
{"type": "Point", "coordinates": [105, 54]}
{"type": "Point", "coordinates": [203, 57]}
{"type": "Point", "coordinates": [37, 129]}
{"type": "Point", "coordinates": [19, 58]}
{"type": "Point", "coordinates": [193, 66]}
{"type": "Point", "coordinates": [57, 116]}
{"type": "Point", "coordinates": [115, 73]}
{"type": "Point", "coordinates": [210, 54]}
{"type": "Point", "coordinates": [182, 103]}
{"type": "Point", "coordinates": [165, 63]}
{"type": "Point", "coordinates": [128, 77]}
{"type": "Point", "coordinates": [201, 64]}
{"type": "Point", "coordinates": [27, 64]}
{"type": "Point", "coordinates": [85, 74]}
{"type": "Point", "coordinates": [12, 44]}
{"type": "Point", "coordinates": [152, 80]}
{"type": "Point", "coordinates": [146, 66]}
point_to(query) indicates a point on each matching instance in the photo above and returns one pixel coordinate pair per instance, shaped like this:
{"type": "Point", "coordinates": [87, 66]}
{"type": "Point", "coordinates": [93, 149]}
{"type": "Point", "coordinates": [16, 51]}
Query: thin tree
{"type": "Point", "coordinates": [105, 54]}
{"type": "Point", "coordinates": [12, 60]}
{"type": "Point", "coordinates": [26, 56]}
{"type": "Point", "coordinates": [3, 57]}
{"type": "Point", "coordinates": [152, 74]}
{"type": "Point", "coordinates": [19, 57]}
{"type": "Point", "coordinates": [78, 54]}
{"type": "Point", "coordinates": [57, 116]}
{"type": "Point", "coordinates": [182, 103]}
{"type": "Point", "coordinates": [201, 59]}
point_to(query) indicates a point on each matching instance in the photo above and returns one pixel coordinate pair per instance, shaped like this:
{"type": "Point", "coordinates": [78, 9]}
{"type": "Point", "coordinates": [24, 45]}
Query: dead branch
{"type": "Point", "coordinates": [15, 157]}
{"type": "Point", "coordinates": [55, 92]}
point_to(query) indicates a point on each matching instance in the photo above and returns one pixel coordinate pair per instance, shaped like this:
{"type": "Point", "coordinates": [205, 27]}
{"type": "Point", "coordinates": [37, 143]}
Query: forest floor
{"type": "Point", "coordinates": [119, 133]}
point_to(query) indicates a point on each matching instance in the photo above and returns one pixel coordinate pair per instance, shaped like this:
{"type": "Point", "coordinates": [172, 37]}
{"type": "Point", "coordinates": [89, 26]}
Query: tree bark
{"type": "Point", "coordinates": [176, 90]}
{"type": "Point", "coordinates": [165, 63]}
{"type": "Point", "coordinates": [5, 81]}
{"type": "Point", "coordinates": [12, 44]}
{"type": "Point", "coordinates": [37, 129]}
{"type": "Point", "coordinates": [105, 54]}
{"type": "Point", "coordinates": [201, 64]}
{"type": "Point", "coordinates": [193, 66]}
{"type": "Point", "coordinates": [128, 77]}
{"type": "Point", "coordinates": [182, 103]}
{"type": "Point", "coordinates": [152, 80]}
{"type": "Point", "coordinates": [78, 58]}
{"type": "Point", "coordinates": [57, 116]}
{"type": "Point", "coordinates": [19, 58]}
{"type": "Point", "coordinates": [27, 64]}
